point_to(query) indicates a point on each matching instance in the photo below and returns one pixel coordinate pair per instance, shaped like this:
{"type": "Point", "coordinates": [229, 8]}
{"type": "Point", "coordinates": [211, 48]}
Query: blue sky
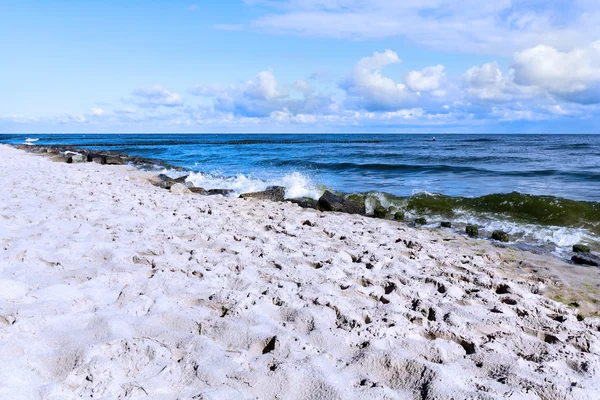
{"type": "Point", "coordinates": [300, 66]}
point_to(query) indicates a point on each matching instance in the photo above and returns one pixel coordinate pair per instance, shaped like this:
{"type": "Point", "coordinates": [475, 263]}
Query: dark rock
{"type": "Point", "coordinates": [420, 221]}
{"type": "Point", "coordinates": [380, 212]}
{"type": "Point", "coordinates": [581, 248]}
{"type": "Point", "coordinates": [446, 224]}
{"type": "Point", "coordinates": [273, 193]}
{"type": "Point", "coordinates": [332, 202]}
{"type": "Point", "coordinates": [113, 160]}
{"type": "Point", "coordinates": [181, 179]}
{"type": "Point", "coordinates": [198, 190]}
{"type": "Point", "coordinates": [305, 202]}
{"type": "Point", "coordinates": [472, 231]}
{"type": "Point", "coordinates": [586, 259]}
{"type": "Point", "coordinates": [223, 192]}
{"type": "Point", "coordinates": [399, 216]}
{"type": "Point", "coordinates": [500, 236]}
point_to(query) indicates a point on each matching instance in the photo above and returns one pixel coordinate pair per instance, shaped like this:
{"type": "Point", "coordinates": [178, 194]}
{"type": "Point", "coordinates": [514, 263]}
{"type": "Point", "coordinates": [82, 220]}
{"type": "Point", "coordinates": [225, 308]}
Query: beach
{"type": "Point", "coordinates": [111, 287]}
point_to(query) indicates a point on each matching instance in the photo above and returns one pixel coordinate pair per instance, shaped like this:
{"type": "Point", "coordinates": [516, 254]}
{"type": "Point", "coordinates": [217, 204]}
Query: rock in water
{"type": "Point", "coordinates": [380, 212]}
{"type": "Point", "coordinates": [446, 224]}
{"type": "Point", "coordinates": [116, 160]}
{"type": "Point", "coordinates": [179, 188]}
{"type": "Point", "coordinates": [197, 190]}
{"type": "Point", "coordinates": [181, 179]}
{"type": "Point", "coordinates": [586, 259]}
{"type": "Point", "coordinates": [332, 202]}
{"type": "Point", "coordinates": [399, 216]}
{"type": "Point", "coordinates": [581, 248]}
{"type": "Point", "coordinates": [500, 236]}
{"type": "Point", "coordinates": [273, 193]}
{"type": "Point", "coordinates": [305, 202]}
{"type": "Point", "coordinates": [472, 231]}
{"type": "Point", "coordinates": [420, 221]}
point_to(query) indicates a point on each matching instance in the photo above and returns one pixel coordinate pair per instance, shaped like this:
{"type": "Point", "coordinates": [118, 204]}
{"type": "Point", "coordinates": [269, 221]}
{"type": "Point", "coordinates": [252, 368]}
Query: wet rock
{"type": "Point", "coordinates": [446, 224]}
{"type": "Point", "coordinates": [380, 212]}
{"type": "Point", "coordinates": [581, 248]}
{"type": "Point", "coordinates": [273, 193]}
{"type": "Point", "coordinates": [61, 159]}
{"type": "Point", "coordinates": [222, 192]}
{"type": "Point", "coordinates": [113, 160]}
{"type": "Point", "coordinates": [97, 158]}
{"type": "Point", "coordinates": [179, 188]}
{"type": "Point", "coordinates": [586, 259]}
{"type": "Point", "coordinates": [197, 190]}
{"type": "Point", "coordinates": [500, 236]}
{"type": "Point", "coordinates": [181, 179]}
{"type": "Point", "coordinates": [332, 202]}
{"type": "Point", "coordinates": [472, 231]}
{"type": "Point", "coordinates": [305, 202]}
{"type": "Point", "coordinates": [75, 157]}
{"type": "Point", "coordinates": [399, 216]}
{"type": "Point", "coordinates": [420, 221]}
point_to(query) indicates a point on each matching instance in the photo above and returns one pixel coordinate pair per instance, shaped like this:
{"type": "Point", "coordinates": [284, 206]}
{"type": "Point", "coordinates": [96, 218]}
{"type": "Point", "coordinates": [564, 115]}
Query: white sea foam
{"type": "Point", "coordinates": [297, 185]}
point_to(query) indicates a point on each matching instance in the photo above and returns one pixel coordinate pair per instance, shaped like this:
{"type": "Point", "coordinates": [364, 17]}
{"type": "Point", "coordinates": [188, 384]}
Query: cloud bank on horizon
{"type": "Point", "coordinates": [327, 66]}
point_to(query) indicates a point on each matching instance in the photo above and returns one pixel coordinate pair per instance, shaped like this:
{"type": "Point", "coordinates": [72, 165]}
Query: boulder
{"type": "Point", "coordinates": [113, 160]}
{"type": "Point", "coordinates": [380, 212]}
{"type": "Point", "coordinates": [222, 192]}
{"type": "Point", "coordinates": [472, 231]}
{"type": "Point", "coordinates": [179, 188]}
{"type": "Point", "coordinates": [500, 236]}
{"type": "Point", "coordinates": [586, 259]}
{"type": "Point", "coordinates": [181, 179]}
{"type": "Point", "coordinates": [446, 224]}
{"type": "Point", "coordinates": [332, 202]}
{"type": "Point", "coordinates": [581, 248]}
{"type": "Point", "coordinates": [305, 202]}
{"type": "Point", "coordinates": [197, 190]}
{"type": "Point", "coordinates": [420, 221]}
{"type": "Point", "coordinates": [273, 193]}
{"type": "Point", "coordinates": [399, 216]}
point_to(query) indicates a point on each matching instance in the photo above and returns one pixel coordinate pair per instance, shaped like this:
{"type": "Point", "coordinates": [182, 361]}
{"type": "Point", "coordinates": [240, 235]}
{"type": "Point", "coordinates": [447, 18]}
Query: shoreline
{"type": "Point", "coordinates": [525, 232]}
{"type": "Point", "coordinates": [186, 295]}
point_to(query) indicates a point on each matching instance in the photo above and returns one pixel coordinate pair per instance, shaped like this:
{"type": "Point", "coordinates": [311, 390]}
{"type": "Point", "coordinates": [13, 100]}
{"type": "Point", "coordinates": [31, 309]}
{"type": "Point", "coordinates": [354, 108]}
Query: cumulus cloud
{"type": "Point", "coordinates": [487, 82]}
{"type": "Point", "coordinates": [426, 80]}
{"type": "Point", "coordinates": [97, 111]}
{"type": "Point", "coordinates": [375, 91]}
{"type": "Point", "coordinates": [156, 96]}
{"type": "Point", "coordinates": [567, 74]}
{"type": "Point", "coordinates": [264, 87]}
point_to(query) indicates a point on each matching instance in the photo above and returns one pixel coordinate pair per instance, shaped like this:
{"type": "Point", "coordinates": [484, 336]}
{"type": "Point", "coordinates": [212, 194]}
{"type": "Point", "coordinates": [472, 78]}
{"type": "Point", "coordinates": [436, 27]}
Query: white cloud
{"type": "Point", "coordinates": [157, 96]}
{"type": "Point", "coordinates": [561, 73]}
{"type": "Point", "coordinates": [488, 27]}
{"type": "Point", "coordinates": [376, 92]}
{"type": "Point", "coordinates": [487, 82]}
{"type": "Point", "coordinates": [264, 87]}
{"type": "Point", "coordinates": [427, 80]}
{"type": "Point", "coordinates": [97, 111]}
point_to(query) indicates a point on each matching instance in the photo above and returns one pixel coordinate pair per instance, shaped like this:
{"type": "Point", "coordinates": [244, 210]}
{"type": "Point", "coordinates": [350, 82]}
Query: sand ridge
{"type": "Point", "coordinates": [113, 288]}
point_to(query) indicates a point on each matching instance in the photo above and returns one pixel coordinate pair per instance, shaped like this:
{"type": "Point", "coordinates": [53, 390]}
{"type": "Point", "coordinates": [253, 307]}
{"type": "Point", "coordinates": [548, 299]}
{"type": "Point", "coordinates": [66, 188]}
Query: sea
{"type": "Point", "coordinates": [544, 190]}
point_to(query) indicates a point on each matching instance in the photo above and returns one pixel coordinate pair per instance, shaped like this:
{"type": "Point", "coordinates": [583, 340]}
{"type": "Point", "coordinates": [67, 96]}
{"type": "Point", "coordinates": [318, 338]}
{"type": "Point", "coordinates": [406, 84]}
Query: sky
{"type": "Point", "coordinates": [460, 66]}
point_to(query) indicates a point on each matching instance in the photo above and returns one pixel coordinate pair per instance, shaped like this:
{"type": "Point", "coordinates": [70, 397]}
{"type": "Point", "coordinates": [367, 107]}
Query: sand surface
{"type": "Point", "coordinates": [111, 288]}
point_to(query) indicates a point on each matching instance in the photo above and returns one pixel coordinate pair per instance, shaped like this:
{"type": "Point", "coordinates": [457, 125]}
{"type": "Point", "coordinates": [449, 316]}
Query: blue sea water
{"type": "Point", "coordinates": [468, 178]}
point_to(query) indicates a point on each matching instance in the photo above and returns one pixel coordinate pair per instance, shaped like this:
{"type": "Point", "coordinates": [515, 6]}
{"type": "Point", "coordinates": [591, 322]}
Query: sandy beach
{"type": "Point", "coordinates": [112, 288]}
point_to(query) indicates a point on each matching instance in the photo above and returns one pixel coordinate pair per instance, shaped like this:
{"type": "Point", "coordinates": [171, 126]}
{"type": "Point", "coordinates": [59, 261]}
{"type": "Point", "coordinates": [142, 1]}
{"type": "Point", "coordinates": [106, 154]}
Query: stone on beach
{"type": "Point", "coordinates": [222, 192]}
{"type": "Point", "coordinates": [500, 236]}
{"type": "Point", "coordinates": [273, 193]}
{"type": "Point", "coordinates": [179, 188]}
{"type": "Point", "coordinates": [446, 224]}
{"type": "Point", "coordinates": [421, 221]}
{"type": "Point", "coordinates": [399, 216]}
{"type": "Point", "coordinates": [379, 212]}
{"type": "Point", "coordinates": [586, 259]}
{"type": "Point", "coordinates": [581, 248]}
{"type": "Point", "coordinates": [305, 202]}
{"type": "Point", "coordinates": [332, 202]}
{"type": "Point", "coordinates": [472, 231]}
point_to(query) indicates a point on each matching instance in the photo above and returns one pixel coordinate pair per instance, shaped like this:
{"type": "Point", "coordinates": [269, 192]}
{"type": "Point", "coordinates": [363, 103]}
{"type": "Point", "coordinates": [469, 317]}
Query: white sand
{"type": "Point", "coordinates": [113, 288]}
